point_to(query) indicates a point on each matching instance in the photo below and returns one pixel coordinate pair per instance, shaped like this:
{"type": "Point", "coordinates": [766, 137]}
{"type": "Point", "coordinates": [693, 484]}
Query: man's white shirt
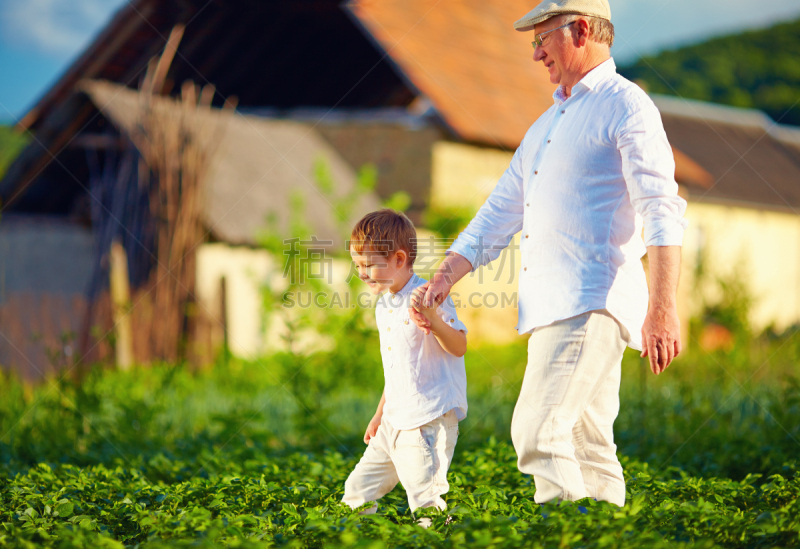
{"type": "Point", "coordinates": [422, 380]}
{"type": "Point", "coordinates": [589, 173]}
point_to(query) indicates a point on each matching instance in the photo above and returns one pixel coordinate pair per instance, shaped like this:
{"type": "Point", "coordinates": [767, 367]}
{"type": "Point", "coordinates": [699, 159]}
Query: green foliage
{"type": "Point", "coordinates": [293, 501]}
{"type": "Point", "coordinates": [755, 69]}
{"type": "Point", "coordinates": [448, 222]}
{"type": "Point", "coordinates": [399, 201]}
{"type": "Point", "coordinates": [342, 205]}
{"type": "Point", "coordinates": [307, 273]}
{"type": "Point", "coordinates": [367, 178]}
{"type": "Point", "coordinates": [165, 457]}
{"type": "Point", "coordinates": [293, 246]}
{"type": "Point", "coordinates": [11, 144]}
{"type": "Point", "coordinates": [732, 310]}
{"type": "Point", "coordinates": [726, 299]}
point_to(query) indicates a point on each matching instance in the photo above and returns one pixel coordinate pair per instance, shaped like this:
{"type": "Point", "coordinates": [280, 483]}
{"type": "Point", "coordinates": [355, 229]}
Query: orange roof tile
{"type": "Point", "coordinates": [466, 57]}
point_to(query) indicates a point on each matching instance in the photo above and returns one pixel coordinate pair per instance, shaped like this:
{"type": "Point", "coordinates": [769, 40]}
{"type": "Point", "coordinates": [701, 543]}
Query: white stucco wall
{"type": "Point", "coordinates": [760, 247]}
{"type": "Point", "coordinates": [246, 270]}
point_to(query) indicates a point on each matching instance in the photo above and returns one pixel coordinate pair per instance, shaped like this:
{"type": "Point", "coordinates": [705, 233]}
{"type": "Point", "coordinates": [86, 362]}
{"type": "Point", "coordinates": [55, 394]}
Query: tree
{"type": "Point", "coordinates": [756, 69]}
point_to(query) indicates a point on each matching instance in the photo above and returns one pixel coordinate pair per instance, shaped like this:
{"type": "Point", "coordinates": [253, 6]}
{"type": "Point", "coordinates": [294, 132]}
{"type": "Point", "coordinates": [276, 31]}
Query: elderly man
{"type": "Point", "coordinates": [589, 174]}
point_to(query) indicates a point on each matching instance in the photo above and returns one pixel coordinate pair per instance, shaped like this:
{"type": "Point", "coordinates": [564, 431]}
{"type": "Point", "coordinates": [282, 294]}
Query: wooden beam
{"type": "Point", "coordinates": [207, 95]}
{"type": "Point", "coordinates": [119, 284]}
{"type": "Point", "coordinates": [99, 141]}
{"type": "Point", "coordinates": [30, 169]}
{"type": "Point", "coordinates": [164, 62]}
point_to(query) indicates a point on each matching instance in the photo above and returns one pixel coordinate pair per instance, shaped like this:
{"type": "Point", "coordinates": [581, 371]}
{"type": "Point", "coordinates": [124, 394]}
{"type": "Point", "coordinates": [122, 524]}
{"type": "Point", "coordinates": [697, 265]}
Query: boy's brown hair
{"type": "Point", "coordinates": [384, 232]}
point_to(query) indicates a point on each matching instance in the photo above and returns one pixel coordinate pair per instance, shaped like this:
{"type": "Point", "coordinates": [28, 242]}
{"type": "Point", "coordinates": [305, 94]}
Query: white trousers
{"type": "Point", "coordinates": [418, 458]}
{"type": "Point", "coordinates": [563, 424]}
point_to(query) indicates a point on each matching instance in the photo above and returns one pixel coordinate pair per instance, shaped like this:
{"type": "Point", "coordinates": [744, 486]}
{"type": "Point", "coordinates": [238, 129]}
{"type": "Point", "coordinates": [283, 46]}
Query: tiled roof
{"type": "Point", "coordinates": [467, 58]}
{"type": "Point", "coordinates": [751, 159]}
{"type": "Point", "coordinates": [478, 72]}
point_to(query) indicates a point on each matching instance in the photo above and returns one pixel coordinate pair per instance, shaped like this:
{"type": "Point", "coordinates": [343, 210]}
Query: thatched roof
{"type": "Point", "coordinates": [258, 167]}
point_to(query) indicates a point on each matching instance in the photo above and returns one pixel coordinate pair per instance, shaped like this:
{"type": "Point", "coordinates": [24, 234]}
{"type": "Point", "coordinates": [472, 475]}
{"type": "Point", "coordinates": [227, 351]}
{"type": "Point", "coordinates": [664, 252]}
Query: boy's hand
{"type": "Point", "coordinates": [419, 319]}
{"type": "Point", "coordinates": [416, 303]}
{"type": "Point", "coordinates": [372, 428]}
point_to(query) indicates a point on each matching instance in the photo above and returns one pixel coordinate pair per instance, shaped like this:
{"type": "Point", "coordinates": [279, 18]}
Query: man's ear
{"type": "Point", "coordinates": [581, 31]}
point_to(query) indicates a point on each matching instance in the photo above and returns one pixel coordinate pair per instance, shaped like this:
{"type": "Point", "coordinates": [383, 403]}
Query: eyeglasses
{"type": "Point", "coordinates": [539, 38]}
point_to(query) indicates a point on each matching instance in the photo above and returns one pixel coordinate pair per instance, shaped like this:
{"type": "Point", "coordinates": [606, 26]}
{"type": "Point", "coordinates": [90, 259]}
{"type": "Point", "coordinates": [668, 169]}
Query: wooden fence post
{"type": "Point", "coordinates": [121, 303]}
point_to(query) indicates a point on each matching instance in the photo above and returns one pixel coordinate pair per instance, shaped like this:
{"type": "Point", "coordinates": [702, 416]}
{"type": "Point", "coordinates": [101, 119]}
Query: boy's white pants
{"type": "Point", "coordinates": [418, 458]}
{"type": "Point", "coordinates": [563, 424]}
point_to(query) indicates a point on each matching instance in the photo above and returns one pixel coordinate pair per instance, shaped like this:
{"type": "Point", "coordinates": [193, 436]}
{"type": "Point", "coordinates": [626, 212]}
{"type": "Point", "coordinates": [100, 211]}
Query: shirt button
{"type": "Point", "coordinates": [527, 235]}
{"type": "Point", "coordinates": [405, 322]}
{"type": "Point", "coordinates": [536, 172]}
{"type": "Point", "coordinates": [528, 204]}
{"type": "Point", "coordinates": [562, 112]}
{"type": "Point", "coordinates": [390, 348]}
{"type": "Point", "coordinates": [525, 269]}
{"type": "Point", "coordinates": [452, 320]}
{"type": "Point", "coordinates": [391, 310]}
{"type": "Point", "coordinates": [388, 329]}
{"type": "Point", "coordinates": [548, 141]}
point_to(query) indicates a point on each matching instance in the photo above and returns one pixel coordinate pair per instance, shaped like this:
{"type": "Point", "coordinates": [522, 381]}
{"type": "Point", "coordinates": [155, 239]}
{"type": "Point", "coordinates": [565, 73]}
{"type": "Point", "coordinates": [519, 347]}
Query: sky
{"type": "Point", "coordinates": [40, 38]}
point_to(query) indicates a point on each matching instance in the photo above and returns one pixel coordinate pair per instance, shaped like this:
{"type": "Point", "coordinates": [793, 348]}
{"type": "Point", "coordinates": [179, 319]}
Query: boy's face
{"type": "Point", "coordinates": [380, 272]}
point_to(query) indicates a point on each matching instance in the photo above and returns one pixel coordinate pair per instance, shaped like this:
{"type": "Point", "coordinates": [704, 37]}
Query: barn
{"type": "Point", "coordinates": [434, 98]}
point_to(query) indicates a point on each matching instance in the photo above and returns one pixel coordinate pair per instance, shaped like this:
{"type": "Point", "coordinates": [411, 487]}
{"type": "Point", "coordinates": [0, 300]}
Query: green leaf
{"type": "Point", "coordinates": [64, 509]}
{"type": "Point", "coordinates": [399, 201]}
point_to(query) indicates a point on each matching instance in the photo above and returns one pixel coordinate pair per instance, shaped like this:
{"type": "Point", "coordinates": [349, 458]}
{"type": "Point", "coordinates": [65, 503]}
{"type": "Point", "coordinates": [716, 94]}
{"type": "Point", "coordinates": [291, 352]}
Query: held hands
{"type": "Point", "coordinates": [420, 315]}
{"type": "Point", "coordinates": [661, 337]}
{"type": "Point", "coordinates": [420, 320]}
{"type": "Point", "coordinates": [425, 299]}
{"type": "Point", "coordinates": [372, 428]}
{"type": "Point", "coordinates": [417, 303]}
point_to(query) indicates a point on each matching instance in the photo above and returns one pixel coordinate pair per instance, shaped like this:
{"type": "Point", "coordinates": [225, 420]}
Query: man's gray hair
{"type": "Point", "coordinates": [602, 30]}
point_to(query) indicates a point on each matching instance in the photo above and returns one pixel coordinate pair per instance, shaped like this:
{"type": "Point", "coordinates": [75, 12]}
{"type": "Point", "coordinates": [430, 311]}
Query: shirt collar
{"type": "Point", "coordinates": [602, 71]}
{"type": "Point", "coordinates": [408, 288]}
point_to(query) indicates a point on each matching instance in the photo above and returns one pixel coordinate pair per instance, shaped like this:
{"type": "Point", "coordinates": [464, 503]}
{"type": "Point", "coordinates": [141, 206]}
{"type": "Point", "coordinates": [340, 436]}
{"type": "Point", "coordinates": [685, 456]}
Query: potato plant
{"type": "Point", "coordinates": [165, 457]}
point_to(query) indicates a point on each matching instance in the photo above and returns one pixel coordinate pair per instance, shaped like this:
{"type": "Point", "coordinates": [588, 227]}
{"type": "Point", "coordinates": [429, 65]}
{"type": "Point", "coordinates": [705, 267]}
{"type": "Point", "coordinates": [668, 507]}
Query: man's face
{"type": "Point", "coordinates": [378, 271]}
{"type": "Point", "coordinates": [558, 51]}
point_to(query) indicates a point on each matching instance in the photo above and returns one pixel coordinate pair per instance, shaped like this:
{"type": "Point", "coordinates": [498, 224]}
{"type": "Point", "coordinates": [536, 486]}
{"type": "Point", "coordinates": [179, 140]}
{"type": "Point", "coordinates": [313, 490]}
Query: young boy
{"type": "Point", "coordinates": [413, 434]}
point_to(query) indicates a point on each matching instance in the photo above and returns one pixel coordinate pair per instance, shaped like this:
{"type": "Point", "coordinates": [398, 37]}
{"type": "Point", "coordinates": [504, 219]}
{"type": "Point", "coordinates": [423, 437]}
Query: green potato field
{"type": "Point", "coordinates": [255, 454]}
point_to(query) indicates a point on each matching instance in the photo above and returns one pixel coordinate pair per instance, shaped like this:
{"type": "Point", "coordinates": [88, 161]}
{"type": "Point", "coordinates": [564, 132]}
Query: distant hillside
{"type": "Point", "coordinates": [11, 143]}
{"type": "Point", "coordinates": [758, 69]}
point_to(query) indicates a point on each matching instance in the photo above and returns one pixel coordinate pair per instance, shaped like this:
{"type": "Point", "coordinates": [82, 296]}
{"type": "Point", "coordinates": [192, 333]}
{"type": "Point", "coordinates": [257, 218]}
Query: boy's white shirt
{"type": "Point", "coordinates": [422, 380]}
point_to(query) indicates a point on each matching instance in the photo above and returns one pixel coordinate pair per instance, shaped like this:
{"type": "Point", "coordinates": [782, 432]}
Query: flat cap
{"type": "Point", "coordinates": [551, 8]}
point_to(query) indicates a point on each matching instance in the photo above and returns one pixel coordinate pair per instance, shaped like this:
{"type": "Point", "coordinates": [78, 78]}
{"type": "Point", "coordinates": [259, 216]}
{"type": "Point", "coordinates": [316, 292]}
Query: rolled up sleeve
{"type": "Point", "coordinates": [648, 166]}
{"type": "Point", "coordinates": [447, 312]}
{"type": "Point", "coordinates": [497, 221]}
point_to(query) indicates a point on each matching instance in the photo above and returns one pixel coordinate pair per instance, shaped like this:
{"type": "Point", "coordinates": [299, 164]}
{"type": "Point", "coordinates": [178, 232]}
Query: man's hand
{"type": "Point", "coordinates": [661, 337]}
{"type": "Point", "coordinates": [436, 291]}
{"type": "Point", "coordinates": [453, 268]}
{"type": "Point", "coordinates": [421, 313]}
{"type": "Point", "coordinates": [417, 297]}
{"type": "Point", "coordinates": [372, 428]}
{"type": "Point", "coordinates": [661, 331]}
